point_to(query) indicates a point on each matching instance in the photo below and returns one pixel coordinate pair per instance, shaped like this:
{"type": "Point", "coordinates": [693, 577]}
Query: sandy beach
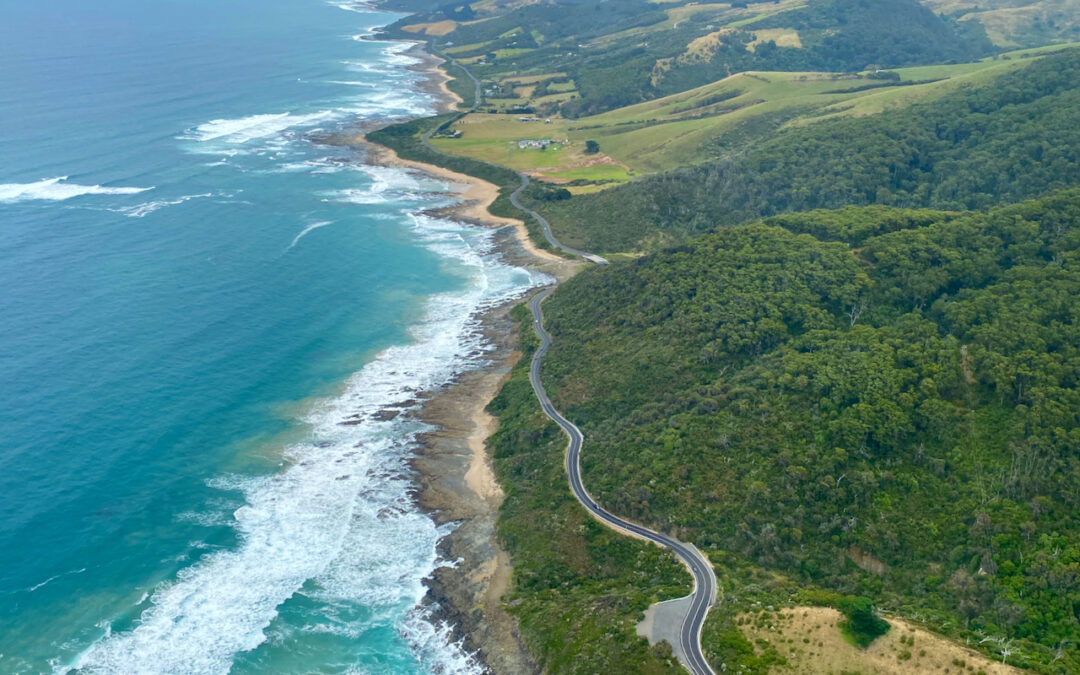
{"type": "Point", "coordinates": [476, 195]}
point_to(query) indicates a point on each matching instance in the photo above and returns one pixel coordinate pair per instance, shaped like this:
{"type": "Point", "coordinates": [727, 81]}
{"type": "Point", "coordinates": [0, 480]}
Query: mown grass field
{"type": "Point", "coordinates": [493, 138]}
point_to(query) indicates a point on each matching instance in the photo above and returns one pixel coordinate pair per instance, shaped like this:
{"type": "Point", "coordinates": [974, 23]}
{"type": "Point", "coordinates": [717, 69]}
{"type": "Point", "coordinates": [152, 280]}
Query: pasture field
{"type": "Point", "coordinates": [692, 126]}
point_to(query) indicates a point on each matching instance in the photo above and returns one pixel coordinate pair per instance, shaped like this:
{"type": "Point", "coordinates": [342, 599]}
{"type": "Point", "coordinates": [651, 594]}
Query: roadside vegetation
{"type": "Point", "coordinates": [579, 588]}
{"type": "Point", "coordinates": [884, 412]}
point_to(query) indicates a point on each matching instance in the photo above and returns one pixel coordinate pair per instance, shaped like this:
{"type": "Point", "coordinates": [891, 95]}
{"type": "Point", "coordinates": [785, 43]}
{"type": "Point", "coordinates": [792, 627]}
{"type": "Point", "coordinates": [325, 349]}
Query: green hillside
{"type": "Point", "coordinates": [620, 53]}
{"type": "Point", "coordinates": [1015, 137]}
{"type": "Point", "coordinates": [1014, 23]}
{"type": "Point", "coordinates": [899, 419]}
{"type": "Point", "coordinates": [704, 123]}
{"type": "Point", "coordinates": [838, 346]}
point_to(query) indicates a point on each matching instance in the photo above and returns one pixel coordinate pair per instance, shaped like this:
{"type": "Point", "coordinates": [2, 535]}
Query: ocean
{"type": "Point", "coordinates": [202, 309]}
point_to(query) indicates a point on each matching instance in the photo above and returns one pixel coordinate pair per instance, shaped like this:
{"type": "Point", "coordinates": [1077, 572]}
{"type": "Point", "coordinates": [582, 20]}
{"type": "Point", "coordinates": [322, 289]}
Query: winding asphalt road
{"type": "Point", "coordinates": [544, 226]}
{"type": "Point", "coordinates": [704, 592]}
{"type": "Point", "coordinates": [704, 579]}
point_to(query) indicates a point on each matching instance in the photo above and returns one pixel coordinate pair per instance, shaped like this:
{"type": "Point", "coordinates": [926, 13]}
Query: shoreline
{"type": "Point", "coordinates": [456, 484]}
{"type": "Point", "coordinates": [453, 473]}
{"type": "Point", "coordinates": [436, 79]}
{"type": "Point", "coordinates": [476, 194]}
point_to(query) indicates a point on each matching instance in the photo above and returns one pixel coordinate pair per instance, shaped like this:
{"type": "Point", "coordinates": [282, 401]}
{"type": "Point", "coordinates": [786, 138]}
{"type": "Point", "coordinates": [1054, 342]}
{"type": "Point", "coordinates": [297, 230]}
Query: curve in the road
{"type": "Point", "coordinates": [704, 579]}
{"type": "Point", "coordinates": [544, 225]}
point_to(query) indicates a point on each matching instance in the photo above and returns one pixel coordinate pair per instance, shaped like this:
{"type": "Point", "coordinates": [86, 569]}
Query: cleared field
{"type": "Point", "coordinates": [533, 79]}
{"type": "Point", "coordinates": [678, 14]}
{"type": "Point", "coordinates": [501, 5]}
{"type": "Point", "coordinates": [705, 46]}
{"type": "Point", "coordinates": [589, 189]}
{"type": "Point", "coordinates": [506, 154]}
{"type": "Point", "coordinates": [894, 97]}
{"type": "Point", "coordinates": [765, 14]}
{"type": "Point", "coordinates": [511, 52]}
{"type": "Point", "coordinates": [809, 638]}
{"type": "Point", "coordinates": [783, 37]}
{"type": "Point", "coordinates": [726, 16]}
{"type": "Point", "coordinates": [597, 172]}
{"type": "Point", "coordinates": [507, 105]}
{"type": "Point", "coordinates": [493, 138]}
{"type": "Point", "coordinates": [461, 49]}
{"type": "Point", "coordinates": [554, 98]}
{"type": "Point", "coordinates": [684, 128]}
{"type": "Point", "coordinates": [437, 28]}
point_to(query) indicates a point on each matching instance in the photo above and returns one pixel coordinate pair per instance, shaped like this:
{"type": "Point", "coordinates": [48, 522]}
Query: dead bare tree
{"type": "Point", "coordinates": [1059, 651]}
{"type": "Point", "coordinates": [1006, 650]}
{"type": "Point", "coordinates": [856, 311]}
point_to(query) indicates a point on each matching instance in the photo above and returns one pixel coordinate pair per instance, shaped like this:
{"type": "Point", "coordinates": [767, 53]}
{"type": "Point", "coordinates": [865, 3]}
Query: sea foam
{"type": "Point", "coordinates": [387, 184]}
{"type": "Point", "coordinates": [55, 189]}
{"type": "Point", "coordinates": [337, 523]}
{"type": "Point", "coordinates": [143, 210]}
{"type": "Point", "coordinates": [253, 127]}
{"type": "Point", "coordinates": [353, 5]}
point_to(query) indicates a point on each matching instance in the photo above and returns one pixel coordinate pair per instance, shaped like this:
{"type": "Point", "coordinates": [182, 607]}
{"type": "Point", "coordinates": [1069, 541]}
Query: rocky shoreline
{"type": "Point", "coordinates": [456, 484]}
{"type": "Point", "coordinates": [452, 468]}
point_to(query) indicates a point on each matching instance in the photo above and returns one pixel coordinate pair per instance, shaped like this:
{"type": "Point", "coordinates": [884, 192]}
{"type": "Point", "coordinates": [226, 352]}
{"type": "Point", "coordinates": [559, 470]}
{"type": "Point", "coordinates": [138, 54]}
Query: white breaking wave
{"type": "Point", "coordinates": [320, 165]}
{"type": "Point", "coordinates": [353, 5]}
{"type": "Point", "coordinates": [361, 37]}
{"type": "Point", "coordinates": [354, 83]}
{"type": "Point", "coordinates": [394, 53]}
{"type": "Point", "coordinates": [141, 210]}
{"type": "Point", "coordinates": [430, 641]}
{"type": "Point", "coordinates": [390, 184]}
{"type": "Point", "coordinates": [55, 189]}
{"type": "Point", "coordinates": [387, 184]}
{"type": "Point", "coordinates": [254, 127]}
{"type": "Point", "coordinates": [392, 102]}
{"type": "Point", "coordinates": [309, 228]}
{"type": "Point", "coordinates": [337, 523]}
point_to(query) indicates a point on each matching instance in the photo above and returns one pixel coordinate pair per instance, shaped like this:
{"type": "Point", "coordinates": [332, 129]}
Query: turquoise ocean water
{"type": "Point", "coordinates": [194, 296]}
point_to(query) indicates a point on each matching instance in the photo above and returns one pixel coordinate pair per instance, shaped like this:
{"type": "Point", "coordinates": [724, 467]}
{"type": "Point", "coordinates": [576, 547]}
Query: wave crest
{"type": "Point", "coordinates": [55, 189]}
{"type": "Point", "coordinates": [253, 127]}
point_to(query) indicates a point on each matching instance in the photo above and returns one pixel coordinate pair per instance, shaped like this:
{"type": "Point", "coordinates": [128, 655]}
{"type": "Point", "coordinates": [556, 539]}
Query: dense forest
{"type": "Point", "coordinates": [899, 420]}
{"type": "Point", "coordinates": [1014, 138]}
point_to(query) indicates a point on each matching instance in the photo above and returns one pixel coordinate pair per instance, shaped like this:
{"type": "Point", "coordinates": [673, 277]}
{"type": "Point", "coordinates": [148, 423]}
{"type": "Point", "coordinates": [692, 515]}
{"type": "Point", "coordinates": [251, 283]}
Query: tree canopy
{"type": "Point", "coordinates": [894, 413]}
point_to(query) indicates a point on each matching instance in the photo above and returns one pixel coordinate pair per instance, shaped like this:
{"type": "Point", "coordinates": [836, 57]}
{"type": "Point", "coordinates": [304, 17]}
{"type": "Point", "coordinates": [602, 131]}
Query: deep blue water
{"type": "Point", "coordinates": [194, 295]}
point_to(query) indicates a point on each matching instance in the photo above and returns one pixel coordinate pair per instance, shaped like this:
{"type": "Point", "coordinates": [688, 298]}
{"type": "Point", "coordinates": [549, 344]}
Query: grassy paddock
{"type": "Point", "coordinates": [683, 129]}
